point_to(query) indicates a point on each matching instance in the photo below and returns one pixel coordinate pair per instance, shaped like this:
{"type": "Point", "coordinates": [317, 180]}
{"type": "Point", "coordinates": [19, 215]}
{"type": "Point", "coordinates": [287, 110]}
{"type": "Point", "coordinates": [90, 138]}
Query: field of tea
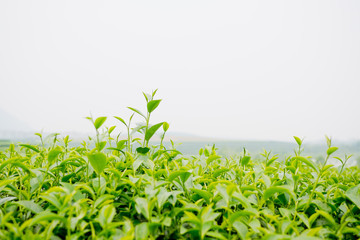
{"type": "Point", "coordinates": [114, 188]}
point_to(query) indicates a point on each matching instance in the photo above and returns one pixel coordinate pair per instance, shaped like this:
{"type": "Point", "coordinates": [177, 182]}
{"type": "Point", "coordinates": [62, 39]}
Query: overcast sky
{"type": "Point", "coordinates": [228, 69]}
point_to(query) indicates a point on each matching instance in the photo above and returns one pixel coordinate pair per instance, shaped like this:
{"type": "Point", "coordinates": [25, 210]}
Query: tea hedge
{"type": "Point", "coordinates": [114, 188]}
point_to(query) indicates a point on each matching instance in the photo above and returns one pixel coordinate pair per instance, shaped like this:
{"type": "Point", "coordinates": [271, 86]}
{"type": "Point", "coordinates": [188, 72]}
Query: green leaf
{"type": "Point", "coordinates": [21, 165]}
{"type": "Point", "coordinates": [304, 219]}
{"type": "Point", "coordinates": [327, 167]}
{"type": "Point", "coordinates": [339, 160]}
{"type": "Point", "coordinates": [245, 160]}
{"type": "Point", "coordinates": [353, 194]}
{"type": "Point", "coordinates": [136, 164]}
{"type": "Point", "coordinates": [222, 189]}
{"type": "Point", "coordinates": [328, 141]}
{"type": "Point", "coordinates": [304, 237]}
{"type": "Point", "coordinates": [151, 131]}
{"type": "Point", "coordinates": [236, 215]}
{"type": "Point", "coordinates": [9, 161]}
{"type": "Point", "coordinates": [42, 217]}
{"type": "Point", "coordinates": [148, 163]}
{"type": "Point", "coordinates": [240, 228]}
{"type": "Point", "coordinates": [137, 111]}
{"type": "Point", "coordinates": [38, 134]}
{"type": "Point", "coordinates": [99, 121]}
{"type": "Point", "coordinates": [298, 140]}
{"type": "Point", "coordinates": [100, 146]}
{"type": "Point", "coordinates": [204, 194]}
{"type": "Point", "coordinates": [278, 189]}
{"type": "Point", "coordinates": [53, 154]}
{"type": "Point", "coordinates": [6, 199]}
{"type": "Point", "coordinates": [142, 206]}
{"type": "Point", "coordinates": [152, 105]}
{"type": "Point", "coordinates": [154, 92]}
{"type": "Point", "coordinates": [166, 126]}
{"type": "Point", "coordinates": [162, 196]}
{"type": "Point", "coordinates": [167, 222]}
{"type": "Point", "coordinates": [106, 215]}
{"type": "Point", "coordinates": [142, 231]}
{"type": "Point", "coordinates": [273, 159]}
{"type": "Point", "coordinates": [98, 162]}
{"type": "Point", "coordinates": [220, 171]}
{"type": "Point", "coordinates": [121, 120]}
{"type": "Point", "coordinates": [216, 235]}
{"type": "Point", "coordinates": [327, 216]}
{"type": "Point", "coordinates": [67, 177]}
{"type": "Point", "coordinates": [30, 147]}
{"type": "Point", "coordinates": [331, 150]}
{"type": "Point", "coordinates": [51, 199]}
{"type": "Point", "coordinates": [30, 205]}
{"type": "Point", "coordinates": [102, 199]}
{"type": "Point", "coordinates": [111, 129]}
{"type": "Point", "coordinates": [121, 144]}
{"type": "Point", "coordinates": [46, 216]}
{"type": "Point", "coordinates": [160, 172]}
{"type": "Point", "coordinates": [184, 175]}
{"type": "Point", "coordinates": [147, 96]}
{"type": "Point", "coordinates": [190, 217]}
{"type": "Point", "coordinates": [212, 158]}
{"type": "Point", "coordinates": [116, 149]}
{"type": "Point", "coordinates": [307, 162]}
{"type": "Point", "coordinates": [142, 150]}
{"type": "Point", "coordinates": [85, 187]}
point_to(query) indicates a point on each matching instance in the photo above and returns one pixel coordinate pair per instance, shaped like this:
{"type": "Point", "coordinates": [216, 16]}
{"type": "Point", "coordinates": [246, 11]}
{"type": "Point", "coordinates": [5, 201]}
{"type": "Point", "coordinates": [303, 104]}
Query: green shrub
{"type": "Point", "coordinates": [128, 189]}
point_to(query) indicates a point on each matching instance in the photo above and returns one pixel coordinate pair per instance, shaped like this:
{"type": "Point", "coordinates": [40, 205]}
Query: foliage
{"type": "Point", "coordinates": [127, 189]}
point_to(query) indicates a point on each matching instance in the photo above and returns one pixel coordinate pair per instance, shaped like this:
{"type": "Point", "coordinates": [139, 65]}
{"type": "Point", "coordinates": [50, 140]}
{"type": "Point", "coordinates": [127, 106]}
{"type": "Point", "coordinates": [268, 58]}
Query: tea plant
{"type": "Point", "coordinates": [130, 189]}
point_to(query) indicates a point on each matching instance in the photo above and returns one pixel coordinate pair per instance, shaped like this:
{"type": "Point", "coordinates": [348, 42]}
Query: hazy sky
{"type": "Point", "coordinates": [229, 69]}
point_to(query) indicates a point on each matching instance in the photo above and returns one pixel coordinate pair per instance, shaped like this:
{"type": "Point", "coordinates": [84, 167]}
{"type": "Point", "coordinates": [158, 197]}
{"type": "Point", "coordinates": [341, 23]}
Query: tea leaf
{"type": "Point", "coordinates": [99, 122]}
{"type": "Point", "coordinates": [98, 162]}
{"type": "Point", "coordinates": [331, 150]}
{"type": "Point", "coordinates": [142, 231]}
{"type": "Point", "coordinates": [151, 131]}
{"type": "Point", "coordinates": [184, 175]}
{"type": "Point", "coordinates": [30, 205]}
{"type": "Point", "coordinates": [353, 194]}
{"type": "Point", "coordinates": [245, 160]}
{"type": "Point", "coordinates": [165, 126]}
{"type": "Point", "coordinates": [53, 154]}
{"type": "Point", "coordinates": [137, 111]}
{"type": "Point", "coordinates": [240, 228]}
{"type": "Point", "coordinates": [121, 120]}
{"type": "Point", "coordinates": [6, 199]}
{"type": "Point", "coordinates": [152, 105]}
{"type": "Point", "coordinates": [142, 150]}
{"type": "Point", "coordinates": [46, 216]}
{"type": "Point", "coordinates": [298, 140]}
{"type": "Point", "coordinates": [307, 162]}
{"type": "Point", "coordinates": [30, 147]}
{"type": "Point", "coordinates": [204, 194]}
{"type": "Point", "coordinates": [106, 215]}
{"type": "Point", "coordinates": [278, 189]}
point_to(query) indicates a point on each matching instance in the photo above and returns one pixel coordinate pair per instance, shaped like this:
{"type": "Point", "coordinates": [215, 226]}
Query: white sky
{"type": "Point", "coordinates": [228, 69]}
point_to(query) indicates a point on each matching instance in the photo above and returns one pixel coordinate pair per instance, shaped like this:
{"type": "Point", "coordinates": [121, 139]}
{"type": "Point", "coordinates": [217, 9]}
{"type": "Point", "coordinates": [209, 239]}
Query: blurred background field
{"type": "Point", "coordinates": [189, 145]}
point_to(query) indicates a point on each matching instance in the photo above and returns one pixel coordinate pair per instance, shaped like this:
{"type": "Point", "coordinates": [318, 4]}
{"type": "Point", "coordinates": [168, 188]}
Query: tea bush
{"type": "Point", "coordinates": [130, 189]}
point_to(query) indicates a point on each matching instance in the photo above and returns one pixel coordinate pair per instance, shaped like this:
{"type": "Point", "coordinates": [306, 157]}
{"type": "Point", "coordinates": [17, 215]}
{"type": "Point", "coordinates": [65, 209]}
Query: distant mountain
{"type": "Point", "coordinates": [11, 126]}
{"type": "Point", "coordinates": [184, 137]}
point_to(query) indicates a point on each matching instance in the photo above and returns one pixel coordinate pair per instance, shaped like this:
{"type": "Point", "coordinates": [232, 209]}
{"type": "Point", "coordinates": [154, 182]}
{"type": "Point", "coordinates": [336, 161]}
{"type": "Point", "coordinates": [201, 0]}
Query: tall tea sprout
{"type": "Point", "coordinates": [96, 158]}
{"type": "Point", "coordinates": [151, 105]}
{"type": "Point", "coordinates": [324, 167]}
{"type": "Point", "coordinates": [127, 125]}
{"type": "Point", "coordinates": [343, 162]}
{"type": "Point", "coordinates": [165, 128]}
{"type": "Point", "coordinates": [97, 123]}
